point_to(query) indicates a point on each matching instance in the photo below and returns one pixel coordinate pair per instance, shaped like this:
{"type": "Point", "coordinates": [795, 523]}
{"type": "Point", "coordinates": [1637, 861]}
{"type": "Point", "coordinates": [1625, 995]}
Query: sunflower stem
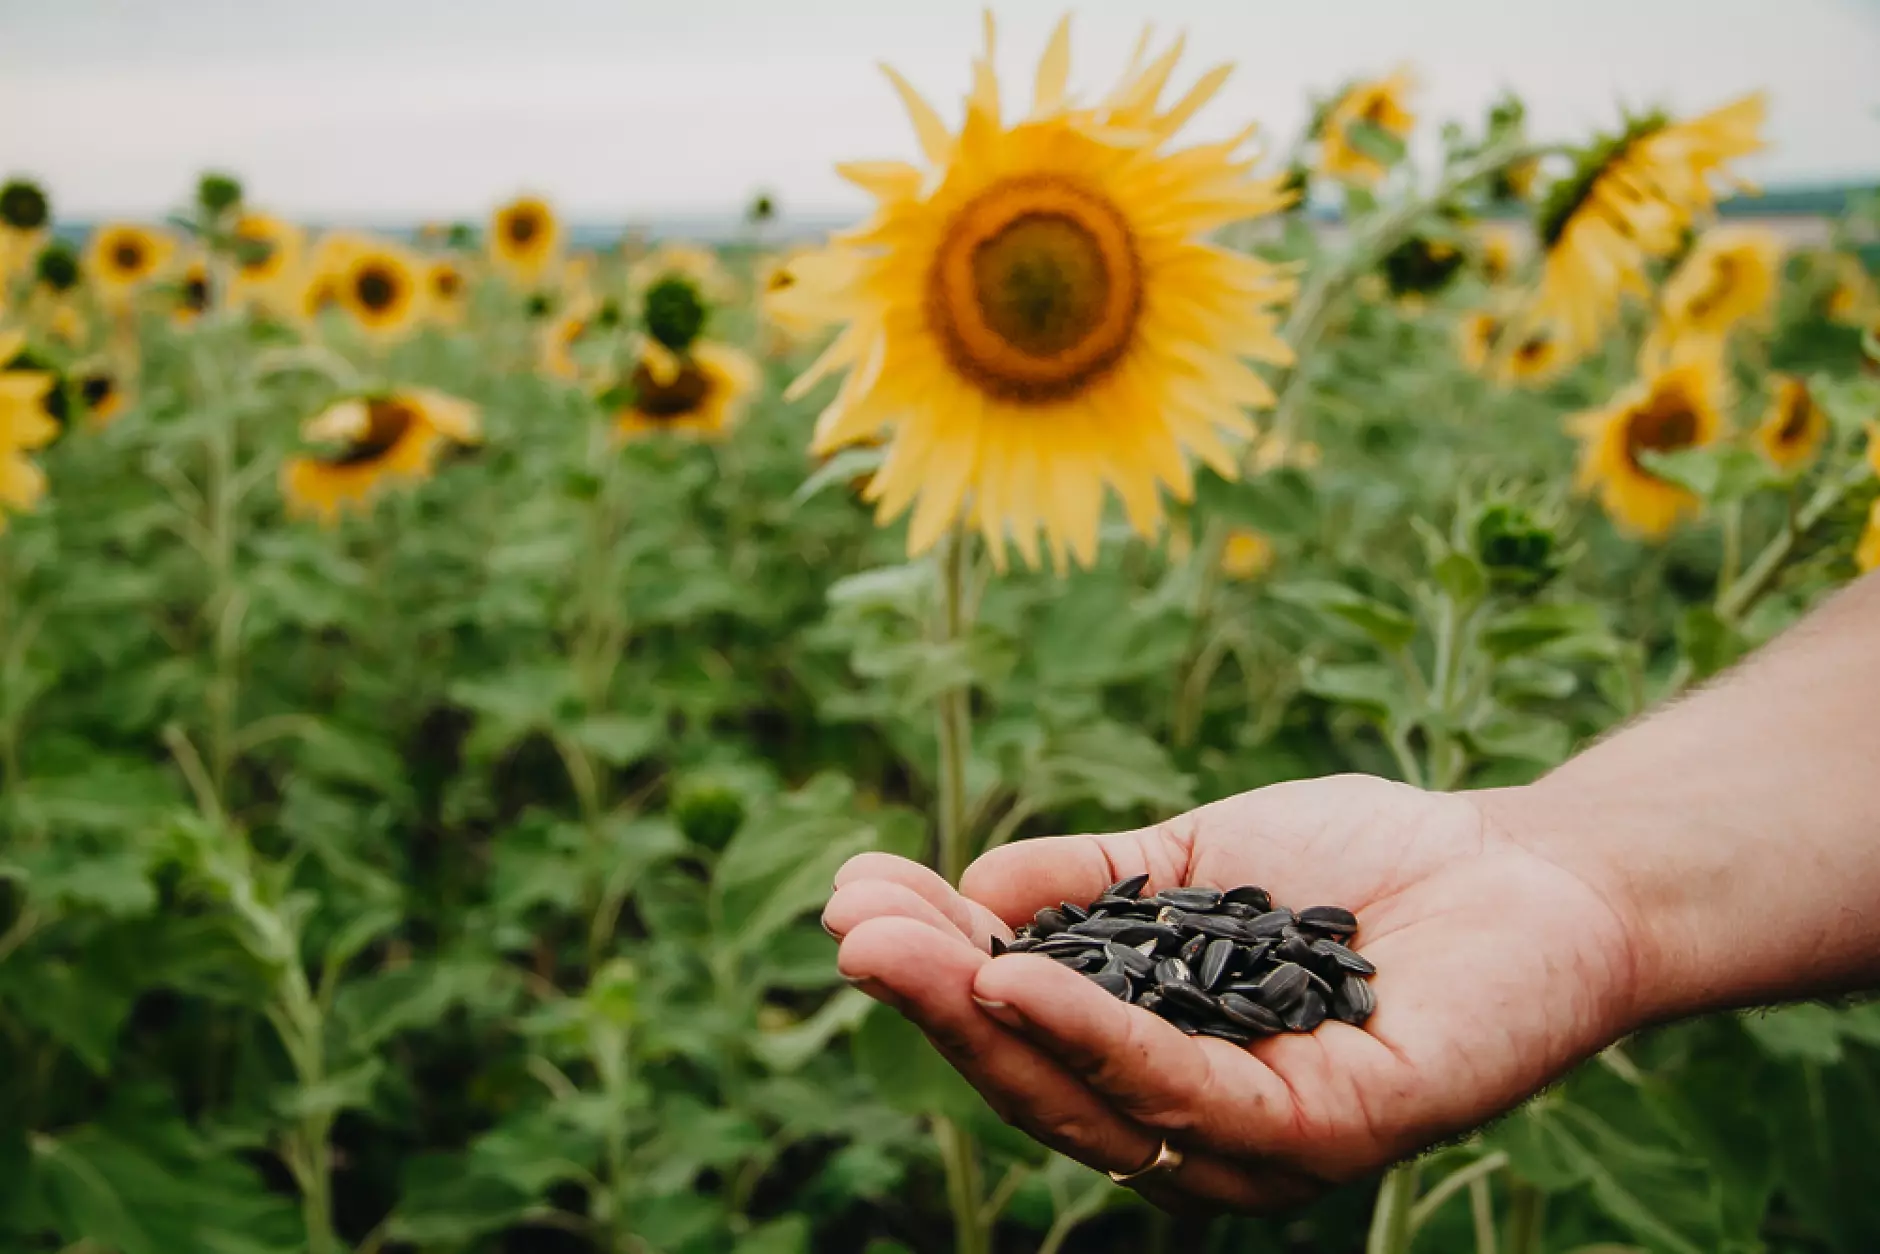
{"type": "Point", "coordinates": [1391, 1231]}
{"type": "Point", "coordinates": [1527, 1207]}
{"type": "Point", "coordinates": [972, 1228]}
{"type": "Point", "coordinates": [953, 717]}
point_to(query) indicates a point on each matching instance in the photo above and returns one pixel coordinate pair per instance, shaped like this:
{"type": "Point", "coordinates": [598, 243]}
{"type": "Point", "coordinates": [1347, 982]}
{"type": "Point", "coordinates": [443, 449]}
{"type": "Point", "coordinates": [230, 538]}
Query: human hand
{"type": "Point", "coordinates": [1497, 970]}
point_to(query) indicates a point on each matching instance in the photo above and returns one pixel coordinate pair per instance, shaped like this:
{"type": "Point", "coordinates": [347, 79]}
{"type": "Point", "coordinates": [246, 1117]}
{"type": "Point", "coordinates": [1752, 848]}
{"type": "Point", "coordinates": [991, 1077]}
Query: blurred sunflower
{"type": "Point", "coordinates": [104, 391]}
{"type": "Point", "coordinates": [1678, 405]}
{"type": "Point", "coordinates": [193, 297]}
{"type": "Point", "coordinates": [380, 441]}
{"type": "Point", "coordinates": [122, 257]}
{"type": "Point", "coordinates": [1851, 298]}
{"type": "Point", "coordinates": [1497, 249]}
{"type": "Point", "coordinates": [324, 271]}
{"type": "Point", "coordinates": [1728, 277]}
{"type": "Point", "coordinates": [25, 425]}
{"type": "Point", "coordinates": [1532, 358]}
{"type": "Point", "coordinates": [446, 288]}
{"type": "Point", "coordinates": [1042, 315]}
{"type": "Point", "coordinates": [379, 286]}
{"type": "Point", "coordinates": [558, 339]}
{"type": "Point", "coordinates": [25, 213]}
{"type": "Point", "coordinates": [1247, 555]}
{"type": "Point", "coordinates": [1380, 104]}
{"type": "Point", "coordinates": [524, 239]}
{"type": "Point", "coordinates": [1630, 199]}
{"type": "Point", "coordinates": [1421, 266]}
{"type": "Point", "coordinates": [56, 268]}
{"type": "Point", "coordinates": [1792, 432]}
{"type": "Point", "coordinates": [700, 393]}
{"type": "Point", "coordinates": [1867, 552]}
{"type": "Point", "coordinates": [267, 262]}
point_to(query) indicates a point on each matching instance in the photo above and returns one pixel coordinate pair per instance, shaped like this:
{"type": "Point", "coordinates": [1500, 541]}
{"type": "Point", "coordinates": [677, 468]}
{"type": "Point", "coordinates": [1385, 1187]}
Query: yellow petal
{"type": "Point", "coordinates": [929, 130]}
{"type": "Point", "coordinates": [1054, 70]}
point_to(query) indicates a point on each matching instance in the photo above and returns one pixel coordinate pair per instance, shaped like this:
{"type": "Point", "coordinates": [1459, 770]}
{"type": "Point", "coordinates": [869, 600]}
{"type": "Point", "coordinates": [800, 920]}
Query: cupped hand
{"type": "Point", "coordinates": [1497, 970]}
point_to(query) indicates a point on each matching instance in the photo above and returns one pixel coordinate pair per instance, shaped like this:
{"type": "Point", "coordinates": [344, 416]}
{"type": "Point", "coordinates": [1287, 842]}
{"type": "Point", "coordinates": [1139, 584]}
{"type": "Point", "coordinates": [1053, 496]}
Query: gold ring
{"type": "Point", "coordinates": [1167, 1158]}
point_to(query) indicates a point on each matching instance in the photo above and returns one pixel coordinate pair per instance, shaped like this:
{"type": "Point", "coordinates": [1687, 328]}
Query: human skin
{"type": "Point", "coordinates": [1516, 931]}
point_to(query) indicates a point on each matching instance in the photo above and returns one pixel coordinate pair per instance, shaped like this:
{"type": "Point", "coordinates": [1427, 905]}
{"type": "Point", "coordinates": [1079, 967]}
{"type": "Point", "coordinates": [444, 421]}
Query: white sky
{"type": "Point", "coordinates": [436, 108]}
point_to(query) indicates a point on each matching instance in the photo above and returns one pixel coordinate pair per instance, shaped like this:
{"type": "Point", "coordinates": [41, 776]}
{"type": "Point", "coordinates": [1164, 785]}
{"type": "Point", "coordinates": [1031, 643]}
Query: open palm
{"type": "Point", "coordinates": [1497, 970]}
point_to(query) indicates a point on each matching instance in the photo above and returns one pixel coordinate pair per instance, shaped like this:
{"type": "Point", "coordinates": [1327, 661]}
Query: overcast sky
{"type": "Point", "coordinates": [436, 108]}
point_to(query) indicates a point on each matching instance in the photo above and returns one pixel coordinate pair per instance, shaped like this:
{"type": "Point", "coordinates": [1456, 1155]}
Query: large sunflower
{"type": "Point", "coordinates": [702, 393]}
{"type": "Point", "coordinates": [267, 262]}
{"type": "Point", "coordinates": [380, 286]}
{"type": "Point", "coordinates": [1380, 103]}
{"type": "Point", "coordinates": [1630, 200]}
{"type": "Point", "coordinates": [1679, 404]}
{"type": "Point", "coordinates": [121, 257]}
{"type": "Point", "coordinates": [1728, 277]}
{"type": "Point", "coordinates": [324, 270]}
{"type": "Point", "coordinates": [1042, 315]}
{"type": "Point", "coordinates": [25, 425]}
{"type": "Point", "coordinates": [379, 441]}
{"type": "Point", "coordinates": [1792, 432]}
{"type": "Point", "coordinates": [524, 239]}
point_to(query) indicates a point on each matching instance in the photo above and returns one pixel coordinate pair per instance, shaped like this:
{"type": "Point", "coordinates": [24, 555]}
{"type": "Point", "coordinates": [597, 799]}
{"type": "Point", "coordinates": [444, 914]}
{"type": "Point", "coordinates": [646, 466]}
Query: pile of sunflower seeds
{"type": "Point", "coordinates": [1228, 964]}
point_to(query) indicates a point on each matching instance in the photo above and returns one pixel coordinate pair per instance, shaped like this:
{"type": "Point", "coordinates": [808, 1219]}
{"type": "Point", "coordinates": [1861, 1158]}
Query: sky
{"type": "Point", "coordinates": [408, 109]}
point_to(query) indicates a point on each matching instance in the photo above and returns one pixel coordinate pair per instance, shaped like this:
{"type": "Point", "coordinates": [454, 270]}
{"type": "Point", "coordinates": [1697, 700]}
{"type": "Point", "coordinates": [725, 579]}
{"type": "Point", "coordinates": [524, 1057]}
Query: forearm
{"type": "Point", "coordinates": [1737, 832]}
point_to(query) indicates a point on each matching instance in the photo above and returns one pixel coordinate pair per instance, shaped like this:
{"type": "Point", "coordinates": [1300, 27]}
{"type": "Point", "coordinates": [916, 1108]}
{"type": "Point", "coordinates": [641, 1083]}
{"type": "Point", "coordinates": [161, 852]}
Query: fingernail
{"type": "Point", "coordinates": [1000, 1011]}
{"type": "Point", "coordinates": [873, 988]}
{"type": "Point", "coordinates": [828, 929]}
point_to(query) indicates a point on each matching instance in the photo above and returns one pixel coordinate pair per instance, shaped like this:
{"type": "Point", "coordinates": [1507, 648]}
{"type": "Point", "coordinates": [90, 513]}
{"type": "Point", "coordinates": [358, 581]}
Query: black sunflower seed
{"type": "Point", "coordinates": [1190, 1000]}
{"type": "Point", "coordinates": [1228, 1032]}
{"type": "Point", "coordinates": [1238, 910]}
{"type": "Point", "coordinates": [1319, 982]}
{"type": "Point", "coordinates": [1269, 924]}
{"type": "Point", "coordinates": [1172, 971]}
{"type": "Point", "coordinates": [1333, 920]}
{"type": "Point", "coordinates": [1123, 908]}
{"type": "Point", "coordinates": [1088, 960]}
{"type": "Point", "coordinates": [995, 947]}
{"type": "Point", "coordinates": [1138, 932]}
{"type": "Point", "coordinates": [1282, 986]}
{"type": "Point", "coordinates": [1213, 925]}
{"type": "Point", "coordinates": [1131, 962]}
{"type": "Point", "coordinates": [1193, 898]}
{"type": "Point", "coordinates": [1251, 955]}
{"type": "Point", "coordinates": [1296, 949]}
{"type": "Point", "coordinates": [1307, 1013]}
{"type": "Point", "coordinates": [1106, 929]}
{"type": "Point", "coordinates": [1345, 958]}
{"type": "Point", "coordinates": [1355, 1000]}
{"type": "Point", "coordinates": [1249, 895]}
{"type": "Point", "coordinates": [1191, 951]}
{"type": "Point", "coordinates": [1072, 911]}
{"type": "Point", "coordinates": [1068, 943]}
{"type": "Point", "coordinates": [1022, 945]}
{"type": "Point", "coordinates": [1215, 960]}
{"type": "Point", "coordinates": [1250, 1014]}
{"type": "Point", "coordinates": [1115, 985]}
{"type": "Point", "coordinates": [1049, 921]}
{"type": "Point", "coordinates": [1131, 887]}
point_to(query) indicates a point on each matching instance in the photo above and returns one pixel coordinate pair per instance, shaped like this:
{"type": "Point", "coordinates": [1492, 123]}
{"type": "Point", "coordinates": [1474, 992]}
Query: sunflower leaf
{"type": "Point", "coordinates": [1387, 625]}
{"type": "Point", "coordinates": [844, 466]}
{"type": "Point", "coordinates": [1717, 474]}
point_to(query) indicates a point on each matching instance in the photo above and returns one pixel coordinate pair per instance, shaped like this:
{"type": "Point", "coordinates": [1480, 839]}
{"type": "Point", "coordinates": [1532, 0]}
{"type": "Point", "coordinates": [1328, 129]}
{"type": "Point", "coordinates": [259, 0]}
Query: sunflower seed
{"type": "Point", "coordinates": [1131, 962]}
{"type": "Point", "coordinates": [1106, 929]}
{"type": "Point", "coordinates": [1355, 1000]}
{"type": "Point", "coordinates": [1214, 963]}
{"type": "Point", "coordinates": [1296, 949]}
{"type": "Point", "coordinates": [1192, 951]}
{"type": "Point", "coordinates": [1269, 924]}
{"type": "Point", "coordinates": [1131, 887]}
{"type": "Point", "coordinates": [1072, 911]}
{"type": "Point", "coordinates": [1048, 921]}
{"type": "Point", "coordinates": [1022, 945]}
{"type": "Point", "coordinates": [1351, 961]}
{"type": "Point", "coordinates": [1307, 1013]}
{"type": "Point", "coordinates": [1190, 1000]}
{"type": "Point", "coordinates": [1150, 1000]}
{"type": "Point", "coordinates": [1115, 985]}
{"type": "Point", "coordinates": [1172, 971]}
{"type": "Point", "coordinates": [1282, 986]}
{"type": "Point", "coordinates": [1138, 932]}
{"type": "Point", "coordinates": [1249, 895]}
{"type": "Point", "coordinates": [995, 947]}
{"type": "Point", "coordinates": [1238, 910]}
{"type": "Point", "coordinates": [1333, 920]}
{"type": "Point", "coordinates": [1202, 899]}
{"type": "Point", "coordinates": [1228, 1032]}
{"type": "Point", "coordinates": [1250, 1014]}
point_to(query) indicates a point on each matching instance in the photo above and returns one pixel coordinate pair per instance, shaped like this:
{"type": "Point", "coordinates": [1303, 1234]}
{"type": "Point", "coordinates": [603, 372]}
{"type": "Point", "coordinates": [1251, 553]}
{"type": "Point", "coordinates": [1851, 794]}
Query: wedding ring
{"type": "Point", "coordinates": [1166, 1159]}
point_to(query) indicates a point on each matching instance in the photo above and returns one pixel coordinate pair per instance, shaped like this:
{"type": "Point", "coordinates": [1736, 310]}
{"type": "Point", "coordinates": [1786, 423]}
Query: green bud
{"type": "Point", "coordinates": [708, 811]}
{"type": "Point", "coordinates": [675, 313]}
{"type": "Point", "coordinates": [461, 235]}
{"type": "Point", "coordinates": [1519, 552]}
{"type": "Point", "coordinates": [57, 267]}
{"type": "Point", "coordinates": [763, 207]}
{"type": "Point", "coordinates": [23, 205]}
{"type": "Point", "coordinates": [218, 193]}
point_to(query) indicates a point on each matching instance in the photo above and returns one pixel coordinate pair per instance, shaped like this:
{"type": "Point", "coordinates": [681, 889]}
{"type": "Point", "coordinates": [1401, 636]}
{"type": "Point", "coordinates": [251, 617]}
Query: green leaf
{"type": "Point", "coordinates": [1508, 735]}
{"type": "Point", "coordinates": [617, 739]}
{"type": "Point", "coordinates": [902, 588]}
{"type": "Point", "coordinates": [81, 1006]}
{"type": "Point", "coordinates": [1710, 643]}
{"type": "Point", "coordinates": [62, 876]}
{"type": "Point", "coordinates": [907, 1073]}
{"type": "Point", "coordinates": [1116, 766]}
{"type": "Point", "coordinates": [1462, 577]}
{"type": "Point", "coordinates": [350, 1089]}
{"type": "Point", "coordinates": [1280, 503]}
{"type": "Point", "coordinates": [1373, 141]}
{"type": "Point", "coordinates": [788, 1049]}
{"type": "Point", "coordinates": [846, 465]}
{"type": "Point", "coordinates": [789, 1235]}
{"type": "Point", "coordinates": [1387, 625]}
{"type": "Point", "coordinates": [1718, 473]}
{"type": "Point", "coordinates": [1806, 1033]}
{"type": "Point", "coordinates": [1531, 628]}
{"type": "Point", "coordinates": [1371, 689]}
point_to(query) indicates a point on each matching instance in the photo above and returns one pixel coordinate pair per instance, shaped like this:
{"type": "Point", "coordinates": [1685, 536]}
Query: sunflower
{"type": "Point", "coordinates": [1247, 554]}
{"type": "Point", "coordinates": [380, 287]}
{"type": "Point", "coordinates": [1867, 552]}
{"type": "Point", "coordinates": [680, 263]}
{"type": "Point", "coordinates": [25, 215]}
{"type": "Point", "coordinates": [267, 262]}
{"type": "Point", "coordinates": [559, 337]}
{"type": "Point", "coordinates": [1792, 432]}
{"type": "Point", "coordinates": [103, 390]}
{"type": "Point", "coordinates": [25, 425]}
{"type": "Point", "coordinates": [447, 289]}
{"type": "Point", "coordinates": [381, 440]}
{"type": "Point", "coordinates": [193, 295]}
{"type": "Point", "coordinates": [702, 393]}
{"type": "Point", "coordinates": [1851, 298]}
{"type": "Point", "coordinates": [1532, 358]}
{"type": "Point", "coordinates": [1678, 405]}
{"type": "Point", "coordinates": [324, 271]}
{"type": "Point", "coordinates": [1497, 248]}
{"type": "Point", "coordinates": [1042, 315]}
{"type": "Point", "coordinates": [1728, 277]}
{"type": "Point", "coordinates": [524, 239]}
{"type": "Point", "coordinates": [122, 257]}
{"type": "Point", "coordinates": [1379, 104]}
{"type": "Point", "coordinates": [1630, 200]}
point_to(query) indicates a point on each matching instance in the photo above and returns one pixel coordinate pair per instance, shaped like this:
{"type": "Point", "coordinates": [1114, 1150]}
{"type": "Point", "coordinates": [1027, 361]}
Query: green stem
{"type": "Point", "coordinates": [1732, 547]}
{"type": "Point", "coordinates": [965, 1188]}
{"type": "Point", "coordinates": [1527, 1208]}
{"type": "Point", "coordinates": [953, 717]}
{"type": "Point", "coordinates": [1482, 1215]}
{"type": "Point", "coordinates": [1453, 1183]}
{"type": "Point", "coordinates": [1390, 1219]}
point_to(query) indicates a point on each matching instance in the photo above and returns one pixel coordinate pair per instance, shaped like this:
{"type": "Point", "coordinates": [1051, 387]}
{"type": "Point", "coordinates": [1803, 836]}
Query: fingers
{"type": "Point", "coordinates": [897, 959]}
{"type": "Point", "coordinates": [1195, 1090]}
{"type": "Point", "coordinates": [1015, 881]}
{"type": "Point", "coordinates": [948, 908]}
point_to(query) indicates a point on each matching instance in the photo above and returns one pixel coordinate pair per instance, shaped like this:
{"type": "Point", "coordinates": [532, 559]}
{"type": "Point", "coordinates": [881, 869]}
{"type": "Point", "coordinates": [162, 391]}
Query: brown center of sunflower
{"type": "Point", "coordinates": [377, 287]}
{"type": "Point", "coordinates": [1377, 109]}
{"type": "Point", "coordinates": [1725, 270]}
{"type": "Point", "coordinates": [128, 255]}
{"type": "Point", "coordinates": [1797, 410]}
{"type": "Point", "coordinates": [1665, 423]}
{"type": "Point", "coordinates": [196, 293]}
{"type": "Point", "coordinates": [522, 226]}
{"type": "Point", "coordinates": [681, 395]}
{"type": "Point", "coordinates": [96, 389]}
{"type": "Point", "coordinates": [387, 422]}
{"type": "Point", "coordinates": [1035, 290]}
{"type": "Point", "coordinates": [446, 283]}
{"type": "Point", "coordinates": [1532, 349]}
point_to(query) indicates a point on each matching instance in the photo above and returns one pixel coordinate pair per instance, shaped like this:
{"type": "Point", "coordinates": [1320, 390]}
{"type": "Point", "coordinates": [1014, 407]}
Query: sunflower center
{"type": "Point", "coordinates": [196, 293]}
{"type": "Point", "coordinates": [523, 227]}
{"type": "Point", "coordinates": [377, 287]}
{"type": "Point", "coordinates": [128, 255]}
{"type": "Point", "coordinates": [23, 206]}
{"type": "Point", "coordinates": [679, 396]}
{"type": "Point", "coordinates": [1724, 273]}
{"type": "Point", "coordinates": [447, 283]}
{"type": "Point", "coordinates": [675, 313]}
{"type": "Point", "coordinates": [1797, 409]}
{"type": "Point", "coordinates": [1036, 289]}
{"type": "Point", "coordinates": [387, 422]}
{"type": "Point", "coordinates": [1532, 349]}
{"type": "Point", "coordinates": [96, 389]}
{"type": "Point", "coordinates": [1665, 423]}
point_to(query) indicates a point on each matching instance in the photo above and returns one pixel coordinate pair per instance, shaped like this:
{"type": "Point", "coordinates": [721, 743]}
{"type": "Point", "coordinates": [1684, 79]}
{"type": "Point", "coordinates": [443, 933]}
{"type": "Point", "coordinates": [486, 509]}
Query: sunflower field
{"type": "Point", "coordinates": [441, 673]}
